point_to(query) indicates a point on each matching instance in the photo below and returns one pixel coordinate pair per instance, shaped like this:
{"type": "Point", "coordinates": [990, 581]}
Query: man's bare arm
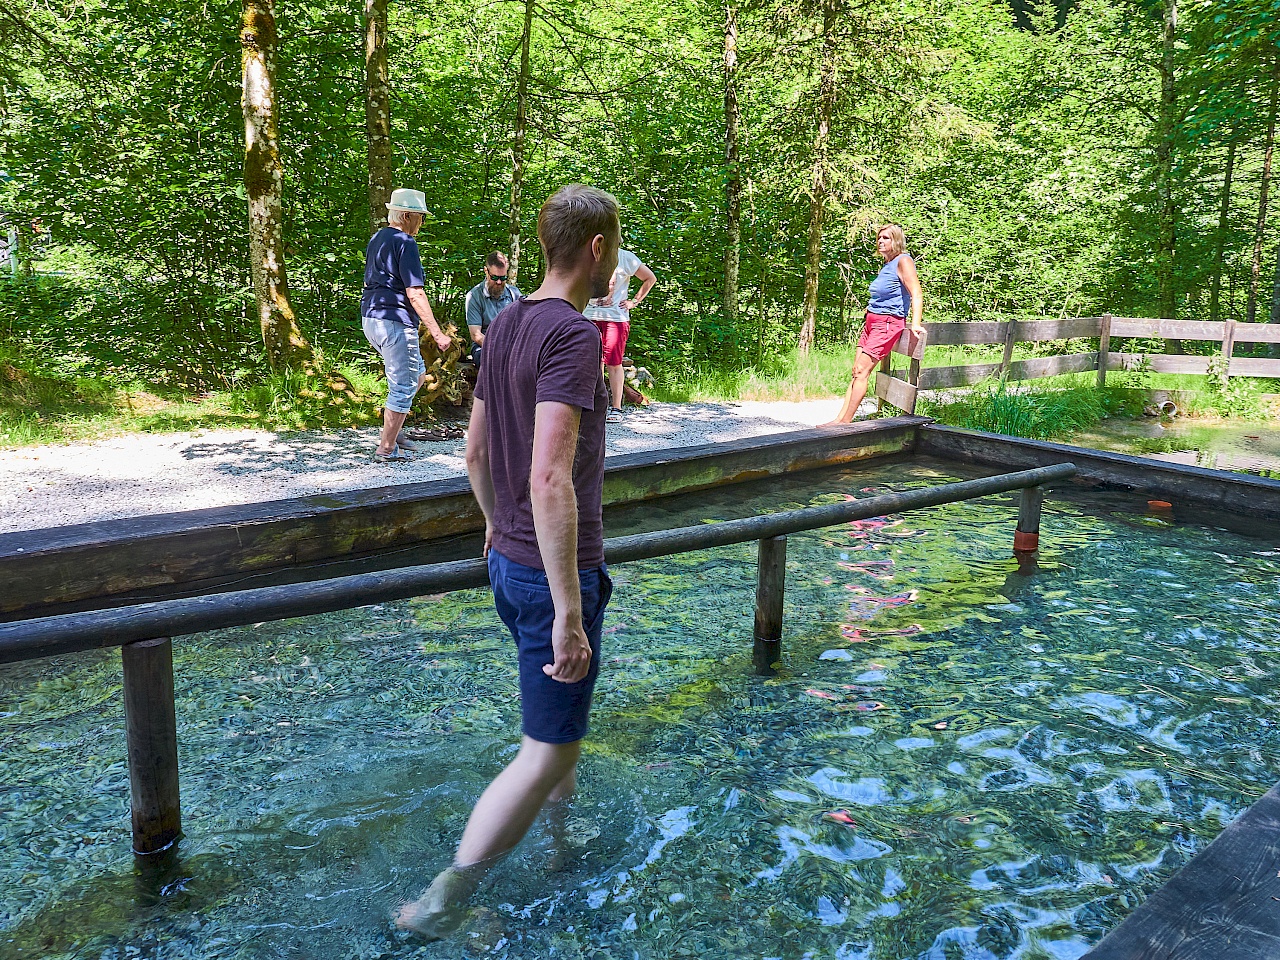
{"type": "Point", "coordinates": [647, 279]}
{"type": "Point", "coordinates": [555, 522]}
{"type": "Point", "coordinates": [478, 468]}
{"type": "Point", "coordinates": [422, 307]}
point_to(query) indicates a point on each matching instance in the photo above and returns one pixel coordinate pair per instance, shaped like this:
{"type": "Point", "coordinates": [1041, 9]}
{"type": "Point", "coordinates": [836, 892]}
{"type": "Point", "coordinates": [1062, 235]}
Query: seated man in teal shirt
{"type": "Point", "coordinates": [487, 299]}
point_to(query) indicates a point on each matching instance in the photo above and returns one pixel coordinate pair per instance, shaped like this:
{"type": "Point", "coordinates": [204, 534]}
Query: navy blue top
{"type": "Point", "coordinates": [888, 296]}
{"type": "Point", "coordinates": [392, 264]}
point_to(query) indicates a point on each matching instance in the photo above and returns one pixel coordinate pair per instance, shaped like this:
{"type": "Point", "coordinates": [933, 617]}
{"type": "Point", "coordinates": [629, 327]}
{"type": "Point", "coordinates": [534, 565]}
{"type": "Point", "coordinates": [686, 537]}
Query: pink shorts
{"type": "Point", "coordinates": [879, 334]}
{"type": "Point", "coordinates": [613, 333]}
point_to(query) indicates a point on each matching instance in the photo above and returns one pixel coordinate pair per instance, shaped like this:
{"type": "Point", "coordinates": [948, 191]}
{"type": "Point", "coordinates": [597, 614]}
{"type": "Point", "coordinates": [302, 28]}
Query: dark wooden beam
{"type": "Point", "coordinates": [1223, 905]}
{"type": "Point", "coordinates": [115, 562]}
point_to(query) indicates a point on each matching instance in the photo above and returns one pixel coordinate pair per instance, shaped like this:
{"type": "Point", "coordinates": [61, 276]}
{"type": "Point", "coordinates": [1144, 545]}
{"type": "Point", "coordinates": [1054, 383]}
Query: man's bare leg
{"type": "Point", "coordinates": [392, 422]}
{"type": "Point", "coordinates": [853, 397]}
{"type": "Point", "coordinates": [616, 381]}
{"type": "Point", "coordinates": [558, 816]}
{"type": "Point", "coordinates": [502, 816]}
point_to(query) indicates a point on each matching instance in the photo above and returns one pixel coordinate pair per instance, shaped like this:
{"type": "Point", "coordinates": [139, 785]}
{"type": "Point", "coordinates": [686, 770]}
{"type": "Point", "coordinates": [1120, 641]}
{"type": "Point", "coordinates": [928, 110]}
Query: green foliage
{"type": "Point", "coordinates": [1032, 410]}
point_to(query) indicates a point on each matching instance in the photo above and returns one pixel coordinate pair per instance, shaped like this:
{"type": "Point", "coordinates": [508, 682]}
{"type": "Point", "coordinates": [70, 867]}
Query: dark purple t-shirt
{"type": "Point", "coordinates": [538, 351]}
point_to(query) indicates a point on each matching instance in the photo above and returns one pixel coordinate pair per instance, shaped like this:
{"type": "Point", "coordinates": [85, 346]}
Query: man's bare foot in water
{"type": "Point", "coordinates": [441, 910]}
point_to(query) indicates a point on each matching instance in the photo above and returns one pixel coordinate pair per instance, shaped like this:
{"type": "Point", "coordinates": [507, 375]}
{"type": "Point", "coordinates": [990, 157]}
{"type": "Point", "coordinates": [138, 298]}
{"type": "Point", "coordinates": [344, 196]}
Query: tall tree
{"type": "Point", "coordinates": [377, 111]}
{"type": "Point", "coordinates": [263, 178]}
{"type": "Point", "coordinates": [1166, 145]}
{"type": "Point", "coordinates": [1220, 241]}
{"type": "Point", "coordinates": [733, 173]}
{"type": "Point", "coordinates": [818, 183]}
{"type": "Point", "coordinates": [1255, 273]}
{"type": "Point", "coordinates": [517, 143]}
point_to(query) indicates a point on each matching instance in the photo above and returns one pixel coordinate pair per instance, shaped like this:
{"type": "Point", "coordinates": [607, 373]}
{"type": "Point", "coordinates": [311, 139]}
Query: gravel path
{"type": "Point", "coordinates": [138, 474]}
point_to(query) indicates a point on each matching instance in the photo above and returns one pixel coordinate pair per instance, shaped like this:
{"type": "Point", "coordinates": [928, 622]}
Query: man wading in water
{"type": "Point", "coordinates": [535, 456]}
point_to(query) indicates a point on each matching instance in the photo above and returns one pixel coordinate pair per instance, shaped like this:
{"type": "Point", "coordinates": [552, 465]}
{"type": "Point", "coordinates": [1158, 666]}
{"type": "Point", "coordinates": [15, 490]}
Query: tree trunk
{"type": "Point", "coordinates": [1251, 306]}
{"type": "Point", "coordinates": [1275, 292]}
{"type": "Point", "coordinates": [733, 179]}
{"type": "Point", "coordinates": [517, 144]}
{"type": "Point", "coordinates": [818, 186]}
{"type": "Point", "coordinates": [1165, 150]}
{"type": "Point", "coordinates": [1224, 218]}
{"type": "Point", "coordinates": [377, 111]}
{"type": "Point", "coordinates": [263, 176]}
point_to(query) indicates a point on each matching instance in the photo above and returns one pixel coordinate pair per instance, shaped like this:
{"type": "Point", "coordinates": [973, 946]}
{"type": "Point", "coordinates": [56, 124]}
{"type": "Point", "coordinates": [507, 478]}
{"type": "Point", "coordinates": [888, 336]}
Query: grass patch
{"type": "Point", "coordinates": [40, 405]}
{"type": "Point", "coordinates": [820, 375]}
{"type": "Point", "coordinates": [1035, 412]}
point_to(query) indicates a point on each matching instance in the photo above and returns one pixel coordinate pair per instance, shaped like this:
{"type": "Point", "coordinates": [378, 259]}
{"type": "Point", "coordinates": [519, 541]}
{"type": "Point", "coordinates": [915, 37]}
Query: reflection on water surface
{"type": "Point", "coordinates": [960, 761]}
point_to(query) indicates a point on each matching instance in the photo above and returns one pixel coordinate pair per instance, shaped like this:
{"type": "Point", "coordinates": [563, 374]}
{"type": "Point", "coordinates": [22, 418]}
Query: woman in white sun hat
{"type": "Point", "coordinates": [391, 307]}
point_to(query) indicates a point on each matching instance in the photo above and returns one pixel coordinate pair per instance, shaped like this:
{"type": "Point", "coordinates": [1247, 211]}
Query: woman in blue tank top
{"type": "Point", "coordinates": [895, 296]}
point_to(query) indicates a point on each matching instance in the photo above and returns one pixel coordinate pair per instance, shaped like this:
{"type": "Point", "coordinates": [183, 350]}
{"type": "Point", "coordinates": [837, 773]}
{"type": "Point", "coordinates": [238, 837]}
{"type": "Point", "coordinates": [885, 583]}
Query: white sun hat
{"type": "Point", "coordinates": [411, 201]}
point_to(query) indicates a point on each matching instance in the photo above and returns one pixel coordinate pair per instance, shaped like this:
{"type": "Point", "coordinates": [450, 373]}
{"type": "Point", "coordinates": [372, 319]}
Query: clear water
{"type": "Point", "coordinates": [960, 761]}
{"type": "Point", "coordinates": [1222, 445]}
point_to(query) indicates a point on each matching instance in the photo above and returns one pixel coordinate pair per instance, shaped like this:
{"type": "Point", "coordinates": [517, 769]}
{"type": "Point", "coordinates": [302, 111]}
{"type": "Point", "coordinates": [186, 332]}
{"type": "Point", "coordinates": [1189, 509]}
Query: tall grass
{"type": "Point", "coordinates": [815, 376]}
{"type": "Point", "coordinates": [1032, 410]}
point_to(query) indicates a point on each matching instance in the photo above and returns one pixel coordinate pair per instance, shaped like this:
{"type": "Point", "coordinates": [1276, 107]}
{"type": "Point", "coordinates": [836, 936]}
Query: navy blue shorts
{"type": "Point", "coordinates": [553, 712]}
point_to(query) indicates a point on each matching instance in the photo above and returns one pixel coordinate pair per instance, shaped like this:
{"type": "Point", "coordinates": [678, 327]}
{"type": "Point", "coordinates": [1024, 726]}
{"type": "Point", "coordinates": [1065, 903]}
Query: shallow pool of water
{"type": "Point", "coordinates": [1223, 445]}
{"type": "Point", "coordinates": [959, 760]}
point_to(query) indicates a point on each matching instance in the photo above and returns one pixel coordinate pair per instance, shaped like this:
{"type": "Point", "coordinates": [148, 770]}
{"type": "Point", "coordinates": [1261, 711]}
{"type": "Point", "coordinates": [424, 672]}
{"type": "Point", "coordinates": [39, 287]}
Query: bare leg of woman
{"type": "Point", "coordinates": [862, 368]}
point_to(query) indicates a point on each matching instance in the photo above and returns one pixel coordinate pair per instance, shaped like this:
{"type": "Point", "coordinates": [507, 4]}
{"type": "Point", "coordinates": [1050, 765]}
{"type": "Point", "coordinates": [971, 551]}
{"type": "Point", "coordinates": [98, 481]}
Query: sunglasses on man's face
{"type": "Point", "coordinates": [501, 279]}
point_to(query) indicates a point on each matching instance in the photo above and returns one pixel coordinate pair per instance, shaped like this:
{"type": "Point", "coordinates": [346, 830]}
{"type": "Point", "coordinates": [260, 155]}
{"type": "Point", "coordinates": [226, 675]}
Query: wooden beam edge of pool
{"type": "Point", "coordinates": [112, 562]}
{"type": "Point", "coordinates": [1242, 494]}
{"type": "Point", "coordinates": [1223, 905]}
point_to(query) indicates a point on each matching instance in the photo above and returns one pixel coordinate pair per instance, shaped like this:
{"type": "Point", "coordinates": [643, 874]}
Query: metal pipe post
{"type": "Point", "coordinates": [152, 732]}
{"type": "Point", "coordinates": [771, 585]}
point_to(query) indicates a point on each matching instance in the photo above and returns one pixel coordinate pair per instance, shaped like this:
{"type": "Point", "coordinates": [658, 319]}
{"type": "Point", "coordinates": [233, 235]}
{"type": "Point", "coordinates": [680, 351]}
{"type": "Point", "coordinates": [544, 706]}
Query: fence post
{"type": "Point", "coordinates": [771, 581]}
{"type": "Point", "coordinates": [1104, 349]}
{"type": "Point", "coordinates": [152, 732]}
{"type": "Point", "coordinates": [1228, 348]}
{"type": "Point", "coordinates": [1010, 337]}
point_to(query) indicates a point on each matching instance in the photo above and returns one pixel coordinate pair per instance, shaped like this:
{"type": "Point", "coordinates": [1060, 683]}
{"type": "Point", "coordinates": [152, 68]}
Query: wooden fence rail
{"type": "Point", "coordinates": [1105, 328]}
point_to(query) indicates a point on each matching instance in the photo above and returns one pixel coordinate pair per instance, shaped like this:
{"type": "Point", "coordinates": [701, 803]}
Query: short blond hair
{"type": "Point", "coordinates": [896, 235]}
{"type": "Point", "coordinates": [571, 218]}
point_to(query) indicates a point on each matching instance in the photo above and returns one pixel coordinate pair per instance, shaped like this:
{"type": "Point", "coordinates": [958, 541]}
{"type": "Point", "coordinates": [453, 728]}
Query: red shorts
{"type": "Point", "coordinates": [879, 334]}
{"type": "Point", "coordinates": [613, 333]}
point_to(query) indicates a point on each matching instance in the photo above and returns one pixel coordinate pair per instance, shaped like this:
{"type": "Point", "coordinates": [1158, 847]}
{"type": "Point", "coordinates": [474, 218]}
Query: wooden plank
{"type": "Point", "coordinates": [1168, 329]}
{"type": "Point", "coordinates": [1071, 328]}
{"type": "Point", "coordinates": [113, 562]}
{"type": "Point", "coordinates": [951, 334]}
{"type": "Point", "coordinates": [1223, 905]}
{"type": "Point", "coordinates": [1010, 339]}
{"type": "Point", "coordinates": [1037, 367]}
{"type": "Point", "coordinates": [1159, 363]}
{"type": "Point", "coordinates": [911, 344]}
{"type": "Point", "coordinates": [1254, 367]}
{"type": "Point", "coordinates": [1240, 497]}
{"type": "Point", "coordinates": [934, 378]}
{"type": "Point", "coordinates": [1257, 333]}
{"type": "Point", "coordinates": [897, 392]}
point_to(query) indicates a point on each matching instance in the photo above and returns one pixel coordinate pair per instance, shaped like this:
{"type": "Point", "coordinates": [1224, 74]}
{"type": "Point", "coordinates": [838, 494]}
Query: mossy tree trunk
{"type": "Point", "coordinates": [517, 144]}
{"type": "Point", "coordinates": [377, 111]}
{"type": "Point", "coordinates": [733, 174]}
{"type": "Point", "coordinates": [263, 175]}
{"type": "Point", "coordinates": [818, 186]}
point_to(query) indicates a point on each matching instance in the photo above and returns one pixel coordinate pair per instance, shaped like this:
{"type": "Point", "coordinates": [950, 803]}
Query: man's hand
{"type": "Point", "coordinates": [572, 652]}
{"type": "Point", "coordinates": [442, 339]}
{"type": "Point", "coordinates": [629, 304]}
{"type": "Point", "coordinates": [488, 538]}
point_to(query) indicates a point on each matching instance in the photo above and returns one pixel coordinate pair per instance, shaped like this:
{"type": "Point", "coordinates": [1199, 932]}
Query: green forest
{"type": "Point", "coordinates": [1045, 160]}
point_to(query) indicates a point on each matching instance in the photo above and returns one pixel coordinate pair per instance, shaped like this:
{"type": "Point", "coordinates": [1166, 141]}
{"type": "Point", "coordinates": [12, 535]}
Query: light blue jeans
{"type": "Point", "coordinates": [402, 357]}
